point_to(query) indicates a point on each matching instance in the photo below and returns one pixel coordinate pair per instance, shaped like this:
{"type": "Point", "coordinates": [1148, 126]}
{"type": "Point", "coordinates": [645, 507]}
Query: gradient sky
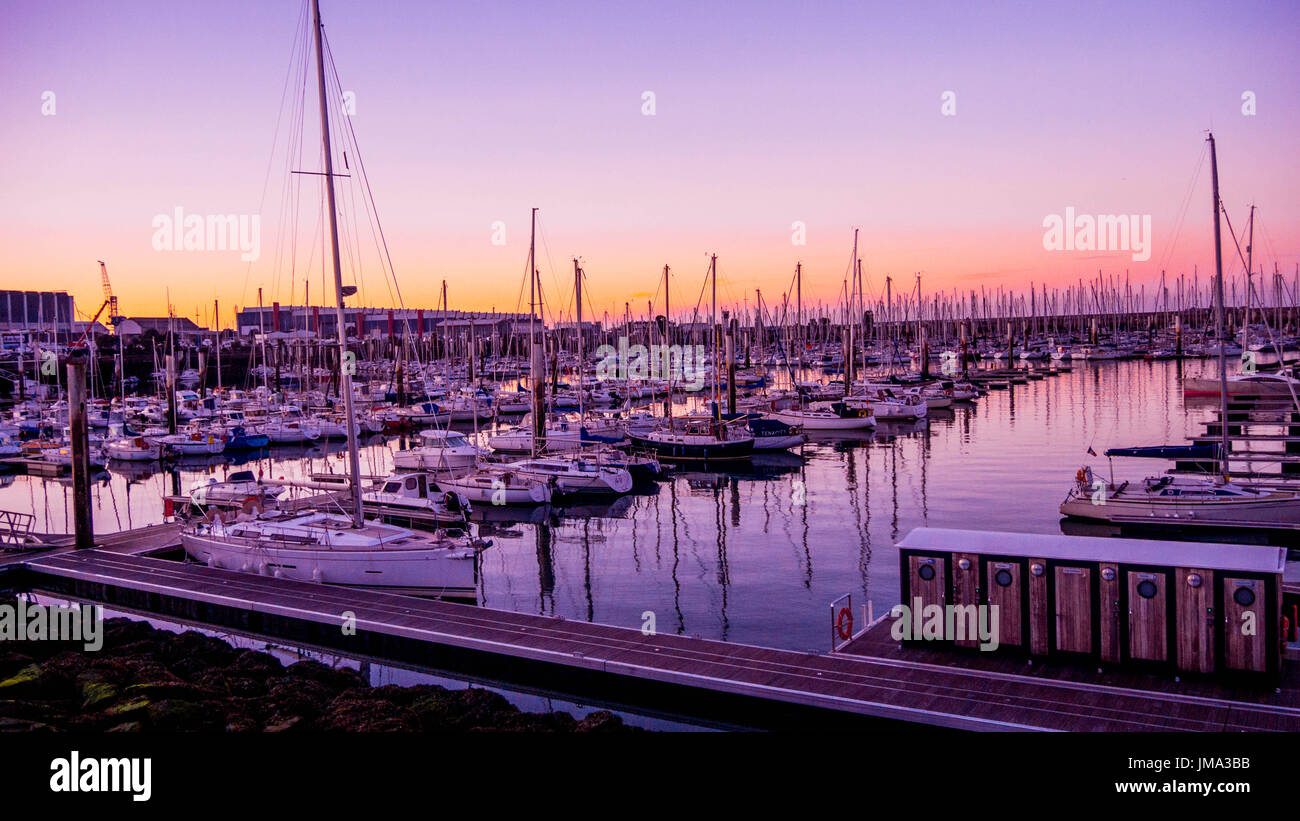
{"type": "Point", "coordinates": [469, 113]}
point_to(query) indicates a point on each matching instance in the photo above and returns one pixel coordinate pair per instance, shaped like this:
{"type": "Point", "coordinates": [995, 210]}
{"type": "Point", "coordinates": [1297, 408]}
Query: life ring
{"type": "Point", "coordinates": [844, 623]}
{"type": "Point", "coordinates": [1081, 476]}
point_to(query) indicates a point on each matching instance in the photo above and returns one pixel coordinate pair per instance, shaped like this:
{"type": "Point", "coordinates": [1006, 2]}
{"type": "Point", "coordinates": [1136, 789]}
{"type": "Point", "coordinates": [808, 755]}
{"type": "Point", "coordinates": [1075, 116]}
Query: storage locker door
{"type": "Point", "coordinates": [965, 588]}
{"type": "Point", "coordinates": [928, 581]}
{"type": "Point", "coordinates": [1195, 625]}
{"type": "Point", "coordinates": [1109, 615]}
{"type": "Point", "coordinates": [1005, 593]}
{"type": "Point", "coordinates": [1148, 610]}
{"type": "Point", "coordinates": [1245, 634]}
{"type": "Point", "coordinates": [1073, 600]}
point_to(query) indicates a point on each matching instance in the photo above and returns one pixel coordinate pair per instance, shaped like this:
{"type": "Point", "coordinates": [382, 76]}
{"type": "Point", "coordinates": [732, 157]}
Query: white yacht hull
{"type": "Point", "coordinates": [452, 571]}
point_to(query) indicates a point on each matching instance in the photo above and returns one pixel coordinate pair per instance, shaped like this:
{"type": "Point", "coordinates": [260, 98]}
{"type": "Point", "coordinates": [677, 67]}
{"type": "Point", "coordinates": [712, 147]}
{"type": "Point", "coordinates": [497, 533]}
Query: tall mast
{"type": "Point", "coordinates": [577, 291]}
{"type": "Point", "coordinates": [536, 359]}
{"type": "Point", "coordinates": [354, 458]}
{"type": "Point", "coordinates": [1218, 317]}
{"type": "Point", "coordinates": [446, 340]}
{"type": "Point", "coordinates": [668, 341]}
{"type": "Point", "coordinates": [713, 329]}
{"type": "Point", "coordinates": [798, 298]}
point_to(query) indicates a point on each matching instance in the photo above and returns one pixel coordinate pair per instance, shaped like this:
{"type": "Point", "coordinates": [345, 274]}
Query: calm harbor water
{"type": "Point", "coordinates": [756, 555]}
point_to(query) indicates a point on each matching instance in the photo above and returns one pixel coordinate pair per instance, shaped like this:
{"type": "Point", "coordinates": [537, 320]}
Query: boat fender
{"type": "Point", "coordinates": [317, 576]}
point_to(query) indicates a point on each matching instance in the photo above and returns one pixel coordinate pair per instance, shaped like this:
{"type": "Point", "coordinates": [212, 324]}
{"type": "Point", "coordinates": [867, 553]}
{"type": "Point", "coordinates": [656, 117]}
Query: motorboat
{"type": "Point", "coordinates": [133, 449]}
{"type": "Point", "coordinates": [440, 450]}
{"type": "Point", "coordinates": [240, 488]}
{"type": "Point", "coordinates": [417, 493]}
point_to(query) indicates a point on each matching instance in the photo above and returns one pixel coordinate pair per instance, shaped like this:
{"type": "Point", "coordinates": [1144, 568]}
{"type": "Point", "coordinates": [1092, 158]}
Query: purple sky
{"type": "Point", "coordinates": [766, 114]}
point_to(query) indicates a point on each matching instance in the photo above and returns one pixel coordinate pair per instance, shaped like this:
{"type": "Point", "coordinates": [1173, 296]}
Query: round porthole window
{"type": "Point", "coordinates": [926, 572]}
{"type": "Point", "coordinates": [1147, 589]}
{"type": "Point", "coordinates": [1003, 577]}
{"type": "Point", "coordinates": [1244, 596]}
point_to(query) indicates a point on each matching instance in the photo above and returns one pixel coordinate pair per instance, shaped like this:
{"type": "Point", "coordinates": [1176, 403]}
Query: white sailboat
{"type": "Point", "coordinates": [1197, 500]}
{"type": "Point", "coordinates": [331, 548]}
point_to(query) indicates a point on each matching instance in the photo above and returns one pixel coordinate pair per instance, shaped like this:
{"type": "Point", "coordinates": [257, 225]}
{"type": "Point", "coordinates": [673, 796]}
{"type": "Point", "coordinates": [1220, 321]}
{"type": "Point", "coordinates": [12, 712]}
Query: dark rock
{"type": "Point", "coordinates": [34, 681]}
{"type": "Point", "coordinates": [241, 724]}
{"type": "Point", "coordinates": [336, 679]}
{"type": "Point", "coordinates": [357, 714]}
{"type": "Point", "coordinates": [11, 662]}
{"type": "Point", "coordinates": [601, 721]}
{"type": "Point", "coordinates": [175, 714]}
{"type": "Point", "coordinates": [255, 665]}
{"type": "Point", "coordinates": [18, 725]}
{"type": "Point", "coordinates": [145, 679]}
{"type": "Point", "coordinates": [298, 697]}
{"type": "Point", "coordinates": [284, 724]}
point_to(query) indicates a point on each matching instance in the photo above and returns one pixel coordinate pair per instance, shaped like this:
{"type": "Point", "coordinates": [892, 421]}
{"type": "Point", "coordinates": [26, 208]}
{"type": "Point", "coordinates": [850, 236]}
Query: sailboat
{"type": "Point", "coordinates": [1198, 501]}
{"type": "Point", "coordinates": [331, 548]}
{"type": "Point", "coordinates": [698, 439]}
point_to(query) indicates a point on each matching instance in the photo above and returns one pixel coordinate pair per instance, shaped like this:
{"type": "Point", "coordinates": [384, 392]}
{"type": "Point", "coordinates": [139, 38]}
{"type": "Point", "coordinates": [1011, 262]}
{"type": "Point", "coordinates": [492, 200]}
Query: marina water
{"type": "Point", "coordinates": [756, 554]}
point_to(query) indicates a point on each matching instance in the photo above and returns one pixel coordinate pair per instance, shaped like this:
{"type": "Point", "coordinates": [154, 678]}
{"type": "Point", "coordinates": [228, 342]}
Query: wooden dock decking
{"type": "Point", "coordinates": [142, 541]}
{"type": "Point", "coordinates": [870, 682]}
{"type": "Point", "coordinates": [1079, 697]}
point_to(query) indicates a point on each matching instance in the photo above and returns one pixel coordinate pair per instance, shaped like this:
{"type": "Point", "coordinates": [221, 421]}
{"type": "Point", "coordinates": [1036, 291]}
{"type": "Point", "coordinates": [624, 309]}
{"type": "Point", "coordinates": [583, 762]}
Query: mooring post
{"type": "Point", "coordinates": [80, 448]}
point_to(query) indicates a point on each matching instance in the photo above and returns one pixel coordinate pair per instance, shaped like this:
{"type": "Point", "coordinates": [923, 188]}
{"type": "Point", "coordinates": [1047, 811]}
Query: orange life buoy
{"type": "Point", "coordinates": [844, 623]}
{"type": "Point", "coordinates": [1081, 476]}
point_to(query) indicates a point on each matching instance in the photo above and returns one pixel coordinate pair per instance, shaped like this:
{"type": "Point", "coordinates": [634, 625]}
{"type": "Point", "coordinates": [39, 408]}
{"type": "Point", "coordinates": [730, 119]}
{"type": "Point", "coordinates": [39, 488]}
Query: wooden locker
{"type": "Point", "coordinates": [1038, 624]}
{"type": "Point", "coordinates": [1245, 633]}
{"type": "Point", "coordinates": [1073, 609]}
{"type": "Point", "coordinates": [1148, 613]}
{"type": "Point", "coordinates": [1006, 593]}
{"type": "Point", "coordinates": [966, 591]}
{"type": "Point", "coordinates": [1195, 619]}
{"type": "Point", "coordinates": [927, 581]}
{"type": "Point", "coordinates": [1109, 613]}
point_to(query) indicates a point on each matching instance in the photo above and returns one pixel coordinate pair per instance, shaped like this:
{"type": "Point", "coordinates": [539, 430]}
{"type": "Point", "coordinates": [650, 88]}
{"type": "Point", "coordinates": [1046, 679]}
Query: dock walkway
{"type": "Point", "coordinates": [869, 682]}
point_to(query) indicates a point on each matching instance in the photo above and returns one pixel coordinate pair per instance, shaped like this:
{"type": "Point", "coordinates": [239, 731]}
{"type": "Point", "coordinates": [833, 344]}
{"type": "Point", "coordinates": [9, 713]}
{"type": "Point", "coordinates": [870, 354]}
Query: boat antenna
{"type": "Point", "coordinates": [345, 368]}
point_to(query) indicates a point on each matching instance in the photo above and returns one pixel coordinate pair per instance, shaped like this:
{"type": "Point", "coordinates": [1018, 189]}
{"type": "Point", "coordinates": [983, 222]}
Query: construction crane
{"type": "Point", "coordinates": [110, 302]}
{"type": "Point", "coordinates": [109, 299]}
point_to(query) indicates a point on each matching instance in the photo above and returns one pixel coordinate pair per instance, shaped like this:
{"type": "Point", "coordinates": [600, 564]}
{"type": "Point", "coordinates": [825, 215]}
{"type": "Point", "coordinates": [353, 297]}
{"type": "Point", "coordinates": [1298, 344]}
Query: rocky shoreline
{"type": "Point", "coordinates": [151, 680]}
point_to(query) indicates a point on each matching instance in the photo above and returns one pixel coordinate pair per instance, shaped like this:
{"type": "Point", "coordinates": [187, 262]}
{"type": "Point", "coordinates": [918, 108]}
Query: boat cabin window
{"type": "Point", "coordinates": [392, 487]}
